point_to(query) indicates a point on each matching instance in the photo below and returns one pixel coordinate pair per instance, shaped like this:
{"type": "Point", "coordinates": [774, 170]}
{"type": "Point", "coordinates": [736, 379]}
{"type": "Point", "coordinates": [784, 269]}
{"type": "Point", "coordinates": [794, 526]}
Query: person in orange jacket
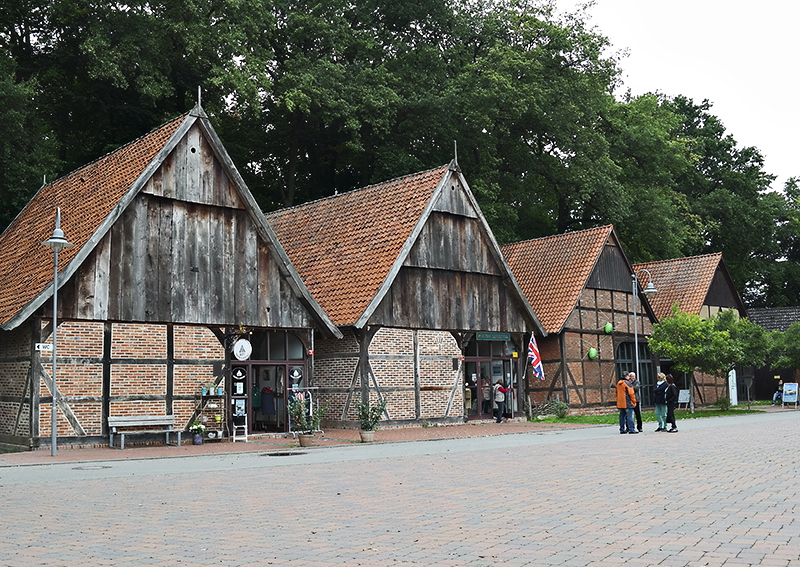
{"type": "Point", "coordinates": [626, 401]}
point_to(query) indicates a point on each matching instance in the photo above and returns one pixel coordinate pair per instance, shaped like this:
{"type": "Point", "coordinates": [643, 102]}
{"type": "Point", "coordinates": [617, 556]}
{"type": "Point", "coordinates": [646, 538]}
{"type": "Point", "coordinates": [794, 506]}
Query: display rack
{"type": "Point", "coordinates": [211, 411]}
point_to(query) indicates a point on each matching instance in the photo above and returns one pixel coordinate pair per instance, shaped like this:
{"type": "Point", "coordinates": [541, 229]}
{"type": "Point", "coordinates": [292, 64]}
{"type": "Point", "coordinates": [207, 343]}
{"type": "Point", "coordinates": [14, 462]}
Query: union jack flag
{"type": "Point", "coordinates": [535, 359]}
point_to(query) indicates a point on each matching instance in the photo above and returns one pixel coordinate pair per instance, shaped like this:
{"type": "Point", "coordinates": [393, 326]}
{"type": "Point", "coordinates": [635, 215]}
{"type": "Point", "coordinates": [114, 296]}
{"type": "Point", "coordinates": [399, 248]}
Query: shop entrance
{"type": "Point", "coordinates": [258, 386]}
{"type": "Point", "coordinates": [258, 390]}
{"type": "Point", "coordinates": [487, 362]}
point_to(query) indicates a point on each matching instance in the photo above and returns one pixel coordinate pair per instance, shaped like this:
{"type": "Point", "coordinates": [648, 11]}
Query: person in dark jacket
{"type": "Point", "coordinates": [778, 395]}
{"type": "Point", "coordinates": [660, 401]}
{"type": "Point", "coordinates": [672, 401]}
{"type": "Point", "coordinates": [637, 410]}
{"type": "Point", "coordinates": [626, 401]}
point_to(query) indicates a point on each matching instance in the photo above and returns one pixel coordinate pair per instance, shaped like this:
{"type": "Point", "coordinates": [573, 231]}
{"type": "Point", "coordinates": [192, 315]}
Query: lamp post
{"type": "Point", "coordinates": [648, 291]}
{"type": "Point", "coordinates": [57, 242]}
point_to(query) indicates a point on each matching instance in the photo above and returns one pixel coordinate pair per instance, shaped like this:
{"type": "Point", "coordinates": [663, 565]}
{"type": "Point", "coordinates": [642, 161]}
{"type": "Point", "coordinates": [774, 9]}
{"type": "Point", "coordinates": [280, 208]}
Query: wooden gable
{"type": "Point", "coordinates": [722, 295]}
{"type": "Point", "coordinates": [453, 277]}
{"type": "Point", "coordinates": [612, 271]}
{"type": "Point", "coordinates": [189, 248]}
{"type": "Point", "coordinates": [188, 244]}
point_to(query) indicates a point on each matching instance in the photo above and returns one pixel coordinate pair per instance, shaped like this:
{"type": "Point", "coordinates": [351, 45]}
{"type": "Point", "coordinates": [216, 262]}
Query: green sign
{"type": "Point", "coordinates": [493, 336]}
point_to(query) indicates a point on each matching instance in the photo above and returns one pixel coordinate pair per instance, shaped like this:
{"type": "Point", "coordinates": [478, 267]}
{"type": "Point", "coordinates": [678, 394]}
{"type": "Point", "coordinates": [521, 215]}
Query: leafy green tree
{"type": "Point", "coordinates": [529, 104]}
{"type": "Point", "coordinates": [692, 342]}
{"type": "Point", "coordinates": [785, 351]}
{"type": "Point", "coordinates": [27, 151]}
{"type": "Point", "coordinates": [725, 189]}
{"type": "Point", "coordinates": [752, 342]}
{"type": "Point", "coordinates": [775, 280]}
{"type": "Point", "coordinates": [715, 345]}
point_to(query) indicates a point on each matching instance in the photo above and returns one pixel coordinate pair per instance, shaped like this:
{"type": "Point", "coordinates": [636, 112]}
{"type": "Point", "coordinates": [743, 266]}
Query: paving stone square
{"type": "Point", "coordinates": [722, 492]}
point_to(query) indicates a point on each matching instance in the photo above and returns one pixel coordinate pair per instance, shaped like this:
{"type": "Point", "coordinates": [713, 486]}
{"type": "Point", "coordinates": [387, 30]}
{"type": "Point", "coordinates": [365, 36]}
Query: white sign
{"type": "Point", "coordinates": [44, 347]}
{"type": "Point", "coordinates": [733, 391]}
{"type": "Point", "coordinates": [789, 394]}
{"type": "Point", "coordinates": [242, 349]}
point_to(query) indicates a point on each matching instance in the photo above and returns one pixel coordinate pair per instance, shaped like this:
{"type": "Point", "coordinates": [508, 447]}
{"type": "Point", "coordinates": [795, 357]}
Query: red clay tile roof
{"type": "Point", "coordinates": [344, 246]}
{"type": "Point", "coordinates": [552, 271]}
{"type": "Point", "coordinates": [86, 197]}
{"type": "Point", "coordinates": [685, 280]}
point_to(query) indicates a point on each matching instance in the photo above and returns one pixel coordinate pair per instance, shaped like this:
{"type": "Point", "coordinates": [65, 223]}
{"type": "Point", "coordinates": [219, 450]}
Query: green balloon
{"type": "Point", "coordinates": [592, 353]}
{"type": "Point", "coordinates": [609, 327]}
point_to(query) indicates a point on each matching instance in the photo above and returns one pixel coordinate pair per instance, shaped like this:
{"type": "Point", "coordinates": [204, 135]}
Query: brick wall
{"type": "Point", "coordinates": [15, 353]}
{"type": "Point", "coordinates": [392, 362]}
{"type": "Point", "coordinates": [196, 343]}
{"type": "Point", "coordinates": [81, 383]}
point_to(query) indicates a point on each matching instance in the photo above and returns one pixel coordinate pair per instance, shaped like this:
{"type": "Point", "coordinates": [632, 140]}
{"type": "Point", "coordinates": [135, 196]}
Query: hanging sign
{"type": "Point", "coordinates": [242, 349]}
{"type": "Point", "coordinates": [493, 336]}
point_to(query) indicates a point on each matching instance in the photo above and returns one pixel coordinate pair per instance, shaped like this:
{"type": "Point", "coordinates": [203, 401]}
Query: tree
{"type": "Point", "coordinates": [27, 150]}
{"type": "Point", "coordinates": [692, 342]}
{"type": "Point", "coordinates": [785, 351]}
{"type": "Point", "coordinates": [715, 345]}
{"type": "Point", "coordinates": [726, 189]}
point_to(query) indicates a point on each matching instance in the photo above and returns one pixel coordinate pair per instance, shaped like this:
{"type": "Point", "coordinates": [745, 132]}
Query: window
{"type": "Point", "coordinates": [625, 364]}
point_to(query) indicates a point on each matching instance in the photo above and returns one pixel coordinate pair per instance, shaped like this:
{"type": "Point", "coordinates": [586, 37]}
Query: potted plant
{"type": "Point", "coordinates": [368, 417]}
{"type": "Point", "coordinates": [197, 429]}
{"type": "Point", "coordinates": [305, 422]}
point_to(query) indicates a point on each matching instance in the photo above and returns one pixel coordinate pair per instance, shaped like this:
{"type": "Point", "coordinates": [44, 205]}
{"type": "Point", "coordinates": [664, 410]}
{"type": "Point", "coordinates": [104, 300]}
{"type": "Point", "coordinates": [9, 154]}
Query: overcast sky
{"type": "Point", "coordinates": [741, 56]}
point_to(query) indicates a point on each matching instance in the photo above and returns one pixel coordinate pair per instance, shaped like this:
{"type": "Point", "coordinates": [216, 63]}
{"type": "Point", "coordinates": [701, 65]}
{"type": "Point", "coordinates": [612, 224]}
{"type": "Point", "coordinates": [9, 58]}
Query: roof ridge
{"type": "Point", "coordinates": [356, 190]}
{"type": "Point", "coordinates": [560, 234]}
{"type": "Point", "coordinates": [677, 259]}
{"type": "Point", "coordinates": [119, 149]}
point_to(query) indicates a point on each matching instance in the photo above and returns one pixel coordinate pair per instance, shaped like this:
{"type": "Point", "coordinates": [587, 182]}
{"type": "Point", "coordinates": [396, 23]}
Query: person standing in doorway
{"type": "Point", "coordinates": [672, 401]}
{"type": "Point", "coordinates": [660, 401]}
{"type": "Point", "coordinates": [626, 401]}
{"type": "Point", "coordinates": [486, 402]}
{"type": "Point", "coordinates": [500, 393]}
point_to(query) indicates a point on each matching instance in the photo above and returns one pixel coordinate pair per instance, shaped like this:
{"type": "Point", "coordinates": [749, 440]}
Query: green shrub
{"type": "Point", "coordinates": [550, 407]}
{"type": "Point", "coordinates": [723, 403]}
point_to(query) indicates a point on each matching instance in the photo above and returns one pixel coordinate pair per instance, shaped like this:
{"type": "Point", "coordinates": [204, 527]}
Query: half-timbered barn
{"type": "Point", "coordinates": [580, 286]}
{"type": "Point", "coordinates": [172, 263]}
{"type": "Point", "coordinates": [700, 285]}
{"type": "Point", "coordinates": [411, 273]}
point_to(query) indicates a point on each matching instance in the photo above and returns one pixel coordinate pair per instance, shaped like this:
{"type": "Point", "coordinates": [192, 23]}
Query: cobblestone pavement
{"type": "Point", "coordinates": [723, 491]}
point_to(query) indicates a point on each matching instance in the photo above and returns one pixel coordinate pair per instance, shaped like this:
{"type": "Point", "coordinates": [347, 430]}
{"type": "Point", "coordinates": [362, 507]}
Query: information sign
{"type": "Point", "coordinates": [790, 394]}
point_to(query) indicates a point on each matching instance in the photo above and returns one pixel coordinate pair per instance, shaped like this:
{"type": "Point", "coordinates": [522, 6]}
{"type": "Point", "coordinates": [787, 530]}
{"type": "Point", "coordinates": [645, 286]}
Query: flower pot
{"type": "Point", "coordinates": [204, 391]}
{"type": "Point", "coordinates": [367, 436]}
{"type": "Point", "coordinates": [197, 439]}
{"type": "Point", "coordinates": [220, 391]}
{"type": "Point", "coordinates": [306, 439]}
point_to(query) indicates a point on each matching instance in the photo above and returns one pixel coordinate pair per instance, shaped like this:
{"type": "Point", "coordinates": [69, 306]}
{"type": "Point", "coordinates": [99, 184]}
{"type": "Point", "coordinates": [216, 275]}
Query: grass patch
{"type": "Point", "coordinates": [613, 418]}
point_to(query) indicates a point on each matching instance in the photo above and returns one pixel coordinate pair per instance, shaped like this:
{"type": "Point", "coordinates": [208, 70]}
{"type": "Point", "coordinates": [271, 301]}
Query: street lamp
{"type": "Point", "coordinates": [648, 291]}
{"type": "Point", "coordinates": [57, 242]}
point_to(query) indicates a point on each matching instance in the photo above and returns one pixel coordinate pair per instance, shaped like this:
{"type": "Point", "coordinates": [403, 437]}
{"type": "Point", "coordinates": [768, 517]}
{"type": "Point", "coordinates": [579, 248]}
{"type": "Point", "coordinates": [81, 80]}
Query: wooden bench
{"type": "Point", "coordinates": [150, 423]}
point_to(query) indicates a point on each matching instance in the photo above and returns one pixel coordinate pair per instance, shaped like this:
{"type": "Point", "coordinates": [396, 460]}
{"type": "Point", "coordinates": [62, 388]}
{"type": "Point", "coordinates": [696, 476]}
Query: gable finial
{"type": "Point", "coordinates": [199, 91]}
{"type": "Point", "coordinates": [454, 164]}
